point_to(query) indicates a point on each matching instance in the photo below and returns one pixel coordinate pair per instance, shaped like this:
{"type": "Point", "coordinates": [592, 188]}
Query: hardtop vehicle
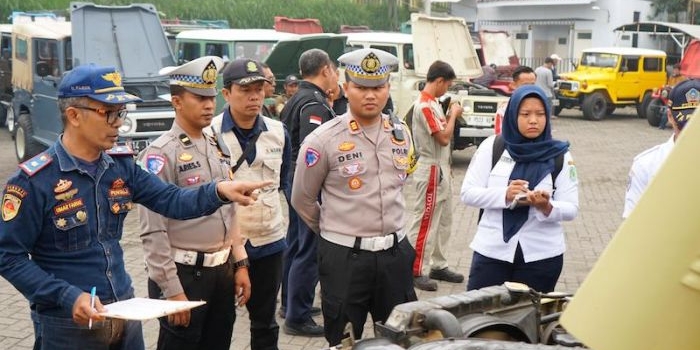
{"type": "Point", "coordinates": [608, 78]}
{"type": "Point", "coordinates": [5, 70]}
{"type": "Point", "coordinates": [432, 39]}
{"type": "Point", "coordinates": [129, 38]}
{"type": "Point", "coordinates": [228, 44]}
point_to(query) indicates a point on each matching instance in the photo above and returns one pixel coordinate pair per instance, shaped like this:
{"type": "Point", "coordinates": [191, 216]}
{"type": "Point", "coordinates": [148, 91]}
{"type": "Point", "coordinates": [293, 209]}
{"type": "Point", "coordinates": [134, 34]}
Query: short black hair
{"type": "Point", "coordinates": [177, 90]}
{"type": "Point", "coordinates": [521, 70]}
{"type": "Point", "coordinates": [312, 61]}
{"type": "Point", "coordinates": [440, 69]}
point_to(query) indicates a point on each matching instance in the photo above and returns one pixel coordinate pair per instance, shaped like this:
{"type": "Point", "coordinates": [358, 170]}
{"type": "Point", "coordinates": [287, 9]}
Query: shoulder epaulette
{"type": "Point", "coordinates": [162, 140]}
{"type": "Point", "coordinates": [37, 163]}
{"type": "Point", "coordinates": [120, 150]}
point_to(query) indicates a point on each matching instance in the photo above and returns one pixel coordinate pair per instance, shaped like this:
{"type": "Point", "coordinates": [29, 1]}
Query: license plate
{"type": "Point", "coordinates": [477, 120]}
{"type": "Point", "coordinates": [555, 102]}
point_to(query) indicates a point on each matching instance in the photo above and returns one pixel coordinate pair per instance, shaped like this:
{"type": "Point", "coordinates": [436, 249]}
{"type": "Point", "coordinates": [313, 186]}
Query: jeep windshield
{"type": "Point", "coordinates": [602, 60]}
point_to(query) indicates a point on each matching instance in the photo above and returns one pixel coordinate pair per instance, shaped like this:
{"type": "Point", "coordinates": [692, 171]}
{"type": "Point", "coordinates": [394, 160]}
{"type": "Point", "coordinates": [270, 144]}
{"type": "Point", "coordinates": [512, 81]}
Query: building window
{"type": "Point", "coordinates": [21, 52]}
{"type": "Point", "coordinates": [584, 36]}
{"type": "Point", "coordinates": [521, 36]}
{"type": "Point", "coordinates": [562, 41]}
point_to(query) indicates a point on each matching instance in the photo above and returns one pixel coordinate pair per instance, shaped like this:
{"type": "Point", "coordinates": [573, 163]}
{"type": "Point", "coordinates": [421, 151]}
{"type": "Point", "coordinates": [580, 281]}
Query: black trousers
{"type": "Point", "coordinates": [265, 279]}
{"type": "Point", "coordinates": [541, 275]}
{"type": "Point", "coordinates": [211, 325]}
{"type": "Point", "coordinates": [355, 282]}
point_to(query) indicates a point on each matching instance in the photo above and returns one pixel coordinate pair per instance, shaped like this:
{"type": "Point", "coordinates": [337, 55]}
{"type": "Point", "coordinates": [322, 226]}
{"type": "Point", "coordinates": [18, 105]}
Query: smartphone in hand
{"type": "Point", "coordinates": [519, 200]}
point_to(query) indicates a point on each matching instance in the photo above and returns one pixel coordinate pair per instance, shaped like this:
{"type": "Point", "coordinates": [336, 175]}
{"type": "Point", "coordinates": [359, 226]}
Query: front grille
{"type": "Point", "coordinates": [485, 107]}
{"type": "Point", "coordinates": [157, 124]}
{"type": "Point", "coordinates": [564, 86]}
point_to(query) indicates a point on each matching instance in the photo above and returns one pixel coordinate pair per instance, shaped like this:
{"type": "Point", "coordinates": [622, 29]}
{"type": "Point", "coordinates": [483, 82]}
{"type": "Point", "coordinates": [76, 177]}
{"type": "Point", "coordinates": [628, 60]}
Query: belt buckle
{"type": "Point", "coordinates": [189, 258]}
{"type": "Point", "coordinates": [379, 243]}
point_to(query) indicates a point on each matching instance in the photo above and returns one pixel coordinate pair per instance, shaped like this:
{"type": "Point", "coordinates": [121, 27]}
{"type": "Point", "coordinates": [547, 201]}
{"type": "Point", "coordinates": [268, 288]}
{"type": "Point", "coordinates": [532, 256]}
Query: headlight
{"type": "Point", "coordinates": [126, 127]}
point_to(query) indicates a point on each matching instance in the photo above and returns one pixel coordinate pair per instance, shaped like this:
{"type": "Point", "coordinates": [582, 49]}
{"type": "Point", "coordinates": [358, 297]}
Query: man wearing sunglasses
{"type": "Point", "coordinates": [63, 215]}
{"type": "Point", "coordinates": [202, 258]}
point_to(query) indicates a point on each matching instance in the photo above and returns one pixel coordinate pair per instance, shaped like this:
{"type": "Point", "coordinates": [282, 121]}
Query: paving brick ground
{"type": "Point", "coordinates": [603, 152]}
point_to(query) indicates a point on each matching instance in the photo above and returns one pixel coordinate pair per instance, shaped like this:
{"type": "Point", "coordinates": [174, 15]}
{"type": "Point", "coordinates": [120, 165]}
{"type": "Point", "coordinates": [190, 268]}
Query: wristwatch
{"type": "Point", "coordinates": [241, 264]}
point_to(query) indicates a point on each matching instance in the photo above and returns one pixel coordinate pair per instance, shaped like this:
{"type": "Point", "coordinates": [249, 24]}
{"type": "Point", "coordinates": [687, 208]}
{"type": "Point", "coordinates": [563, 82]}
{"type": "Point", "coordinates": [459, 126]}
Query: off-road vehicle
{"type": "Point", "coordinates": [608, 78]}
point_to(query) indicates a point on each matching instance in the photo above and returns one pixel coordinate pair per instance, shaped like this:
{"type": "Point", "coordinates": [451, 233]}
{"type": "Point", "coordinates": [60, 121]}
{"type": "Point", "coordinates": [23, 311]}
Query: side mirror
{"type": "Point", "coordinates": [42, 68]}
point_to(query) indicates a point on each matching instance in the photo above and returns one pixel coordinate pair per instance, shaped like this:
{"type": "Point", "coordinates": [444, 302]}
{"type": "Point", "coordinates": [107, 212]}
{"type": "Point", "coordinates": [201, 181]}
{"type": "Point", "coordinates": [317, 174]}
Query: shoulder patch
{"type": "Point", "coordinates": [154, 163]}
{"type": "Point", "coordinates": [120, 150]}
{"type": "Point", "coordinates": [312, 157]}
{"type": "Point", "coordinates": [37, 163]}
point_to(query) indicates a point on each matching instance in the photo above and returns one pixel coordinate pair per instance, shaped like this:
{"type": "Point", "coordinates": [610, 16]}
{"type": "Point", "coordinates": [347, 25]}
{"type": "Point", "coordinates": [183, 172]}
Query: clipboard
{"type": "Point", "coordinates": [145, 309]}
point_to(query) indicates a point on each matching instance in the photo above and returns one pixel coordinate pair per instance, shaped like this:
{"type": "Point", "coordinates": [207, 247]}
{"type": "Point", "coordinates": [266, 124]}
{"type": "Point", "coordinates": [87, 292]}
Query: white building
{"type": "Point", "coordinates": [540, 28]}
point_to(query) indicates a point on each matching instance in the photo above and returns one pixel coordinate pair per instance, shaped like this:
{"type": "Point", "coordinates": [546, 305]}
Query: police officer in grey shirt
{"type": "Point", "coordinates": [358, 162]}
{"type": "Point", "coordinates": [196, 259]}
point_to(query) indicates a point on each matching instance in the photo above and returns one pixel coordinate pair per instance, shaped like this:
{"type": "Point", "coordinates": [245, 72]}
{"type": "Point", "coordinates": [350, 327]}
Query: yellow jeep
{"type": "Point", "coordinates": [607, 78]}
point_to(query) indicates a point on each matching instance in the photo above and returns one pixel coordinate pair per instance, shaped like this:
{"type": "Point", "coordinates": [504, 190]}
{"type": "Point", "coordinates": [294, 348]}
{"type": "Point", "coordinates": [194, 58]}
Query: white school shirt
{"type": "Point", "coordinates": [541, 237]}
{"type": "Point", "coordinates": [644, 168]}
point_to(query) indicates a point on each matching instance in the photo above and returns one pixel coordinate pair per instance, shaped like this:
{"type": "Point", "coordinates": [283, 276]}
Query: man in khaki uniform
{"type": "Point", "coordinates": [357, 162]}
{"type": "Point", "coordinates": [258, 147]}
{"type": "Point", "coordinates": [197, 259]}
{"type": "Point", "coordinates": [432, 223]}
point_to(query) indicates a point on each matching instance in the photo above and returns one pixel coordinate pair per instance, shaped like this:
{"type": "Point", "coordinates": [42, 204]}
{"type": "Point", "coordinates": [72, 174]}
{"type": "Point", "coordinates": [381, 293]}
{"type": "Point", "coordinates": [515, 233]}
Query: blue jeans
{"type": "Point", "coordinates": [663, 120]}
{"type": "Point", "coordinates": [58, 333]}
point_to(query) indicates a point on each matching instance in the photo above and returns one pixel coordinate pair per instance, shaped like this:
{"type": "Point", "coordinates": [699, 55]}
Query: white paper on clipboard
{"type": "Point", "coordinates": [146, 309]}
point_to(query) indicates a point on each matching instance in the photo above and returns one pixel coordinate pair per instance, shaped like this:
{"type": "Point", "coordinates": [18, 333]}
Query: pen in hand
{"type": "Point", "coordinates": [92, 304]}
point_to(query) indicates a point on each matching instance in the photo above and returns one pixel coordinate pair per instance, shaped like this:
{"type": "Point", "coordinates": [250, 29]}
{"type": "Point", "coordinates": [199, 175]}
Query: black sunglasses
{"type": "Point", "coordinates": [112, 116]}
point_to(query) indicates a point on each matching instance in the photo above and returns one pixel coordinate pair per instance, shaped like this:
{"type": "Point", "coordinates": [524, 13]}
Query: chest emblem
{"type": "Point", "coordinates": [346, 146]}
{"type": "Point", "coordinates": [355, 183]}
{"type": "Point", "coordinates": [185, 157]}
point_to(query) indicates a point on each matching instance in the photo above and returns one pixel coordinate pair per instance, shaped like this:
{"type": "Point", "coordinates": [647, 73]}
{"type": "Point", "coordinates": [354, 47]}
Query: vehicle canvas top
{"type": "Point", "coordinates": [129, 38]}
{"type": "Point", "coordinates": [22, 71]}
{"type": "Point", "coordinates": [284, 57]}
{"type": "Point", "coordinates": [446, 39]}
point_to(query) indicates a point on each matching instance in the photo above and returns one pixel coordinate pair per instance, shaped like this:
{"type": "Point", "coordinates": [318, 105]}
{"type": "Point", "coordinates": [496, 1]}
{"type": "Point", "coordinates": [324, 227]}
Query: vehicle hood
{"type": "Point", "coordinates": [690, 64]}
{"type": "Point", "coordinates": [437, 39]}
{"type": "Point", "coordinates": [497, 48]}
{"type": "Point", "coordinates": [589, 74]}
{"type": "Point", "coordinates": [129, 38]}
{"type": "Point", "coordinates": [283, 59]}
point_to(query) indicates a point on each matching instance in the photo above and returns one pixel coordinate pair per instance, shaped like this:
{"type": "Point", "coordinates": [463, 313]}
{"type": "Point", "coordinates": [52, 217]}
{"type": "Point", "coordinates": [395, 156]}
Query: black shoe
{"type": "Point", "coordinates": [446, 275]}
{"type": "Point", "coordinates": [306, 329]}
{"type": "Point", "coordinates": [282, 312]}
{"type": "Point", "coordinates": [424, 283]}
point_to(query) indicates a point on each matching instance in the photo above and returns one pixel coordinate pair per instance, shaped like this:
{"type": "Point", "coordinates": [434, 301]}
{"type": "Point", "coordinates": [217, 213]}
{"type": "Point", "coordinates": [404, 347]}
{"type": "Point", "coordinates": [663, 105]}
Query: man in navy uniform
{"type": "Point", "coordinates": [66, 208]}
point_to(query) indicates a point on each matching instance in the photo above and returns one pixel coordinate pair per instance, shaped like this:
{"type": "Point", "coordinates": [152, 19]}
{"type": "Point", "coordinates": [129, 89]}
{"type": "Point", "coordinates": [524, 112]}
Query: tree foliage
{"type": "Point", "coordinates": [249, 13]}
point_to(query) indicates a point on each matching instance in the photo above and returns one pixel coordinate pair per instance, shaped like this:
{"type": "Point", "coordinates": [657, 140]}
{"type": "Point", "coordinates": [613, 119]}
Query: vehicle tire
{"type": "Point", "coordinates": [642, 108]}
{"type": "Point", "coordinates": [25, 145]}
{"type": "Point", "coordinates": [3, 114]}
{"type": "Point", "coordinates": [557, 110]}
{"type": "Point", "coordinates": [10, 121]}
{"type": "Point", "coordinates": [595, 106]}
{"type": "Point", "coordinates": [610, 110]}
{"type": "Point", "coordinates": [653, 112]}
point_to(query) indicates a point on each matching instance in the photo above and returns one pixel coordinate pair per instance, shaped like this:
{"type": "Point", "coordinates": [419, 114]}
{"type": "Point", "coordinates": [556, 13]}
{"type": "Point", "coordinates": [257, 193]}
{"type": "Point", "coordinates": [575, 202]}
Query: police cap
{"type": "Point", "coordinates": [99, 83]}
{"type": "Point", "coordinates": [368, 67]}
{"type": "Point", "coordinates": [197, 76]}
{"type": "Point", "coordinates": [684, 99]}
